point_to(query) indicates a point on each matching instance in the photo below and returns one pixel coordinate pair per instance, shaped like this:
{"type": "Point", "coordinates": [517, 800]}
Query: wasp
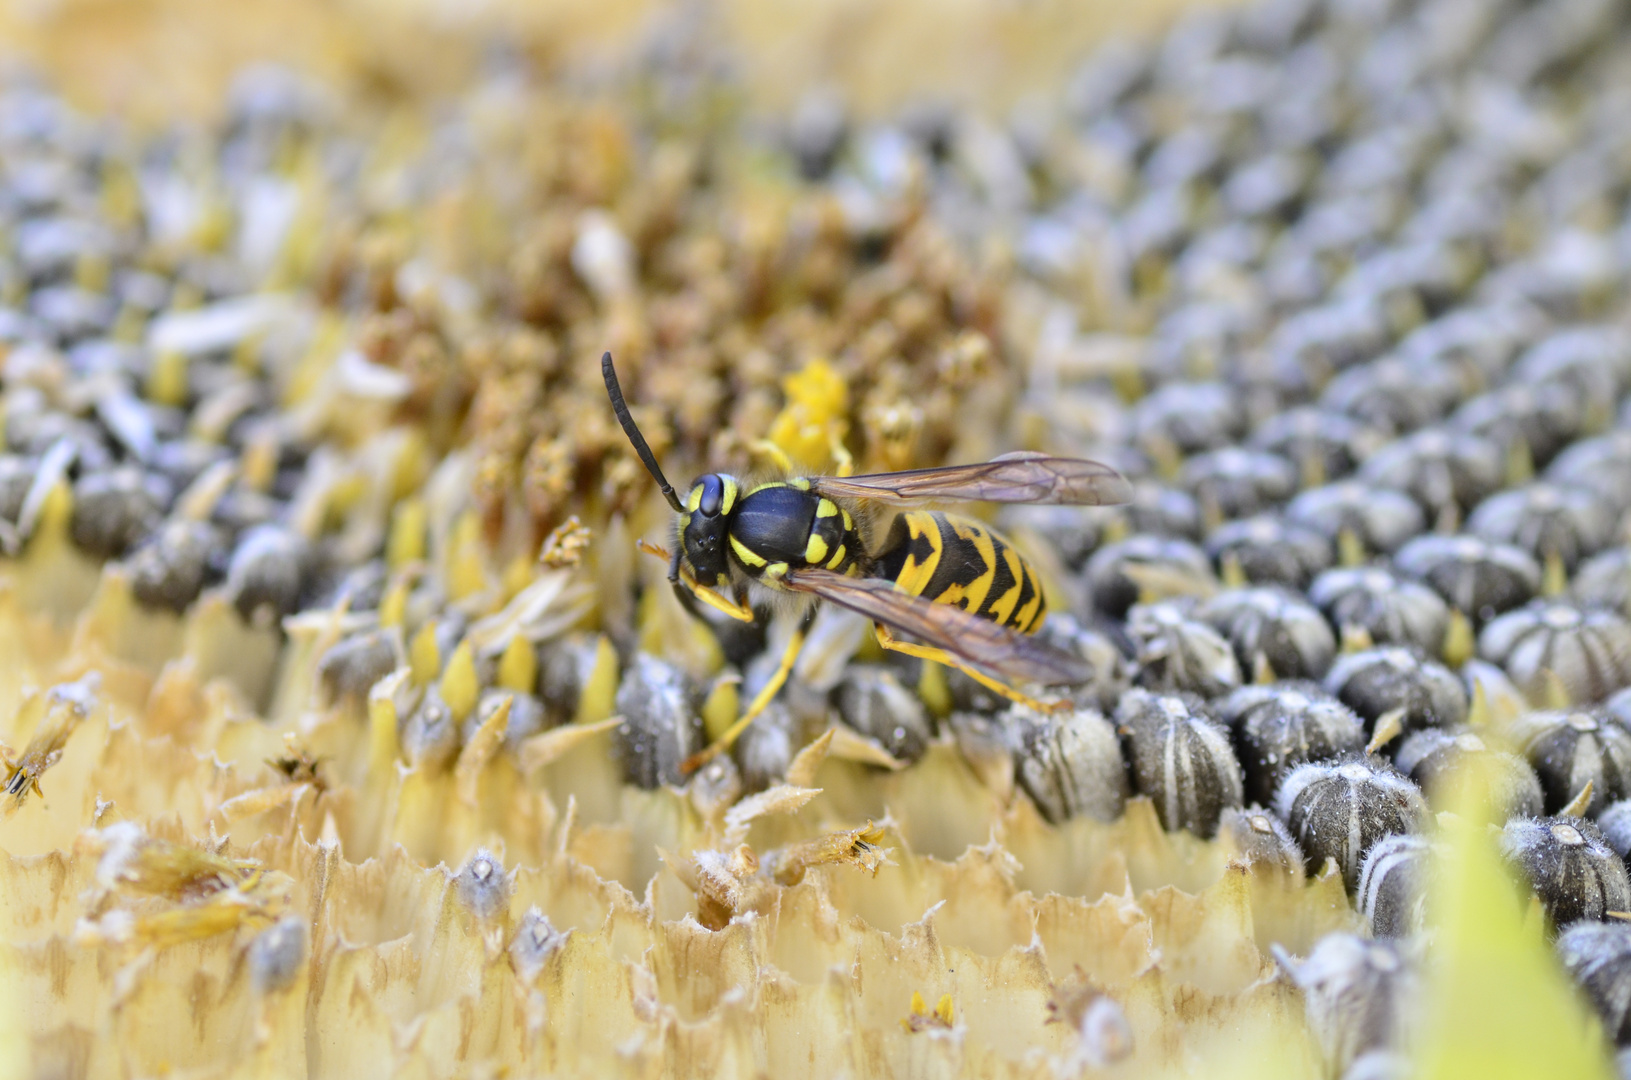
{"type": "Point", "coordinates": [957, 587]}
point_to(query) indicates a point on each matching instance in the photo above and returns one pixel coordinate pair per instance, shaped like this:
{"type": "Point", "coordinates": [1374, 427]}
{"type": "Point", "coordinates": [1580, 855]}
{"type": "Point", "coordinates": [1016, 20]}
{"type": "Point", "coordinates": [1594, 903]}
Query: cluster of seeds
{"type": "Point", "coordinates": [1338, 284]}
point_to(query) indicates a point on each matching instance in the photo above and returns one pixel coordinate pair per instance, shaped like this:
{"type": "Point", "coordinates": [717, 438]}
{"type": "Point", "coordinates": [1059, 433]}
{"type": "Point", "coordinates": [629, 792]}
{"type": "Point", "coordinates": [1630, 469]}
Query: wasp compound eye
{"type": "Point", "coordinates": [713, 496]}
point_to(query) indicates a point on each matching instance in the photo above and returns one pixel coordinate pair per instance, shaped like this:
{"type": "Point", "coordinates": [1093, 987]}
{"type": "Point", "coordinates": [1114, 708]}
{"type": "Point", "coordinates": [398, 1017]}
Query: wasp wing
{"type": "Point", "coordinates": [1022, 477]}
{"type": "Point", "coordinates": [998, 650]}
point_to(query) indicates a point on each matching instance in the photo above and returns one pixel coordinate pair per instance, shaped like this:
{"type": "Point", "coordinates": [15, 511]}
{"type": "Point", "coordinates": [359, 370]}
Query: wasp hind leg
{"type": "Point", "coordinates": [889, 641]}
{"type": "Point", "coordinates": [761, 700]}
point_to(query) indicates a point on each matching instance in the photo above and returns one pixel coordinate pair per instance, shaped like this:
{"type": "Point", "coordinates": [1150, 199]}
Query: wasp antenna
{"type": "Point", "coordinates": [621, 408]}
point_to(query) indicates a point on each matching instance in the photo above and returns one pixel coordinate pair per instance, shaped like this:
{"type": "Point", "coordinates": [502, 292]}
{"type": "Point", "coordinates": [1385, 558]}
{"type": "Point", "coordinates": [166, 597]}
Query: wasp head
{"type": "Point", "coordinates": [705, 525]}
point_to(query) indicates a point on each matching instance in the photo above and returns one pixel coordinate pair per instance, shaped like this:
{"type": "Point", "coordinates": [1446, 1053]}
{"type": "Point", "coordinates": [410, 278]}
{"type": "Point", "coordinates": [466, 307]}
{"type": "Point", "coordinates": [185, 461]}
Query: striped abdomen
{"type": "Point", "coordinates": [953, 560]}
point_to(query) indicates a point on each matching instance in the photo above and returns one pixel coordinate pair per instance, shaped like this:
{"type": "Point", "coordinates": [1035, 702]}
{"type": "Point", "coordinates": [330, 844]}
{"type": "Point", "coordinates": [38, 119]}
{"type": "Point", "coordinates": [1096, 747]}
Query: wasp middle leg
{"type": "Point", "coordinates": [761, 701]}
{"type": "Point", "coordinates": [889, 641]}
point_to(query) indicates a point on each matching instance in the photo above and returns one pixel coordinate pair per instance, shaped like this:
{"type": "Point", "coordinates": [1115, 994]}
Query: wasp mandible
{"type": "Point", "coordinates": [967, 596]}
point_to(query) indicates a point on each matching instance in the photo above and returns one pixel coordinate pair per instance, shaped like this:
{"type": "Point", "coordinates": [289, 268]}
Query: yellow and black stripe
{"type": "Point", "coordinates": [956, 561]}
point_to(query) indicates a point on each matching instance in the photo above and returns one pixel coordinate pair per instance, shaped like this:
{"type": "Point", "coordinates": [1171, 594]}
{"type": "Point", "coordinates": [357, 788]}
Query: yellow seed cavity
{"type": "Point", "coordinates": [1479, 713]}
{"type": "Point", "coordinates": [1458, 640]}
{"type": "Point", "coordinates": [313, 369]}
{"type": "Point", "coordinates": [933, 689]}
{"type": "Point", "coordinates": [1555, 579]}
{"type": "Point", "coordinates": [246, 355]}
{"type": "Point", "coordinates": [1520, 463]}
{"type": "Point", "coordinates": [412, 465]}
{"type": "Point", "coordinates": [466, 574]}
{"type": "Point", "coordinates": [518, 575]}
{"type": "Point", "coordinates": [424, 656]}
{"type": "Point", "coordinates": [130, 326]}
{"type": "Point", "coordinates": [383, 746]}
{"type": "Point", "coordinates": [406, 544]}
{"type": "Point", "coordinates": [91, 273]}
{"type": "Point", "coordinates": [393, 606]}
{"type": "Point", "coordinates": [595, 702]}
{"type": "Point", "coordinates": [1313, 472]}
{"type": "Point", "coordinates": [121, 195]}
{"type": "Point", "coordinates": [1350, 549]}
{"type": "Point", "coordinates": [460, 687]}
{"type": "Point", "coordinates": [259, 465]}
{"type": "Point", "coordinates": [518, 666]}
{"type": "Point", "coordinates": [1553, 693]}
{"type": "Point", "coordinates": [721, 709]}
{"type": "Point", "coordinates": [167, 379]}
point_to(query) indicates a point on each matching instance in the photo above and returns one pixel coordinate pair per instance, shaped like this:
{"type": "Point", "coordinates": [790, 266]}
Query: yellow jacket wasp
{"type": "Point", "coordinates": [950, 582]}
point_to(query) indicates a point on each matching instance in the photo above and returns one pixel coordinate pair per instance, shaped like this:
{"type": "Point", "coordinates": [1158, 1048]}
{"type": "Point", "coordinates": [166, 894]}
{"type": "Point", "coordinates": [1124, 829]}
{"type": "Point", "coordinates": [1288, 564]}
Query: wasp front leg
{"type": "Point", "coordinates": [690, 590]}
{"type": "Point", "coordinates": [889, 641]}
{"type": "Point", "coordinates": [761, 701]}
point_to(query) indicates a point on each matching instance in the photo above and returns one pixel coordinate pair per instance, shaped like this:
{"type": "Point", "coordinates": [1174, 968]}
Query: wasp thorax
{"type": "Point", "coordinates": [1181, 760]}
{"type": "Point", "coordinates": [1338, 810]}
{"type": "Point", "coordinates": [1069, 763]}
{"type": "Point", "coordinates": [1570, 867]}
